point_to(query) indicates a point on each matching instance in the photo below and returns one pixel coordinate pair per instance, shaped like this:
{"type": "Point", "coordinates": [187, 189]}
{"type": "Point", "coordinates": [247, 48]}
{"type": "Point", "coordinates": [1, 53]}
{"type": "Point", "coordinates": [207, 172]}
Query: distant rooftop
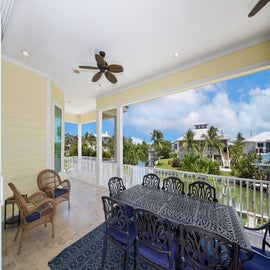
{"type": "Point", "coordinates": [261, 137]}
{"type": "Point", "coordinates": [201, 125]}
{"type": "Point", "coordinates": [200, 129]}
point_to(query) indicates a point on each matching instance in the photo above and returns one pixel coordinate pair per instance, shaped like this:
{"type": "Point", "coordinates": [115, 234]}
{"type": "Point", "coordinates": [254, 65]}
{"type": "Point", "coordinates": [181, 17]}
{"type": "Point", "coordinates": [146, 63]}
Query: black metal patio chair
{"type": "Point", "coordinates": [173, 184]}
{"type": "Point", "coordinates": [151, 180]}
{"type": "Point", "coordinates": [116, 185]}
{"type": "Point", "coordinates": [202, 190]}
{"type": "Point", "coordinates": [261, 256]}
{"type": "Point", "coordinates": [201, 249]}
{"type": "Point", "coordinates": [119, 227]}
{"type": "Point", "coordinates": [154, 243]}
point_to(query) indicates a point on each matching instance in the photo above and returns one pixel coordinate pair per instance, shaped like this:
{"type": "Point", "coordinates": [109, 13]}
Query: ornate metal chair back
{"type": "Point", "coordinates": [153, 240]}
{"type": "Point", "coordinates": [116, 185]}
{"type": "Point", "coordinates": [151, 180]}
{"type": "Point", "coordinates": [203, 249]}
{"type": "Point", "coordinates": [202, 190]}
{"type": "Point", "coordinates": [119, 227]}
{"type": "Point", "coordinates": [173, 184]}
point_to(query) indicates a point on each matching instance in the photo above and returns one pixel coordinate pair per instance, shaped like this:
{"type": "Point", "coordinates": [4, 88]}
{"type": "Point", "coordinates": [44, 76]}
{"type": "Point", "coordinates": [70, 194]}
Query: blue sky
{"type": "Point", "coordinates": [237, 105]}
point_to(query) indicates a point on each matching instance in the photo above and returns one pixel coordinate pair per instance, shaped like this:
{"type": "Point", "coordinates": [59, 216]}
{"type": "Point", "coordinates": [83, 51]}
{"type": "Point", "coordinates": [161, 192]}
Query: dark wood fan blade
{"type": "Point", "coordinates": [110, 77]}
{"type": "Point", "coordinates": [88, 67]}
{"type": "Point", "coordinates": [258, 7]}
{"type": "Point", "coordinates": [115, 68]}
{"type": "Point", "coordinates": [100, 61]}
{"type": "Point", "coordinates": [97, 76]}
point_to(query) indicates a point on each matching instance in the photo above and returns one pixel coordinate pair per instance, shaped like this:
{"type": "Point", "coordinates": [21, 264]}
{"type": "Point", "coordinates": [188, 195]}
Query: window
{"type": "Point", "coordinates": [57, 138]}
{"type": "Point", "coordinates": [260, 144]}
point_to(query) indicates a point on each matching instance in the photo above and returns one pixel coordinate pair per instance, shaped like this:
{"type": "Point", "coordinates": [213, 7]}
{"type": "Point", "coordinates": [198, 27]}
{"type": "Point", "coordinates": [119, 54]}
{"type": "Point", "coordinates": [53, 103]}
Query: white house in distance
{"type": "Point", "coordinates": [260, 144]}
{"type": "Point", "coordinates": [105, 140]}
{"type": "Point", "coordinates": [200, 130]}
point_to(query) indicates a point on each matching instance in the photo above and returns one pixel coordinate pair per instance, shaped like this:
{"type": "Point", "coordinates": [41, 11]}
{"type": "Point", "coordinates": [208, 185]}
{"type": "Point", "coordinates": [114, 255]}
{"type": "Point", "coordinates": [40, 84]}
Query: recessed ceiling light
{"type": "Point", "coordinates": [76, 71]}
{"type": "Point", "coordinates": [25, 53]}
{"type": "Point", "coordinates": [176, 54]}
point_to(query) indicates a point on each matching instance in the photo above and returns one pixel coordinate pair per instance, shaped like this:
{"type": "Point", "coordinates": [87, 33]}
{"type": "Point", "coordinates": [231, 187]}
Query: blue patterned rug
{"type": "Point", "coordinates": [86, 253]}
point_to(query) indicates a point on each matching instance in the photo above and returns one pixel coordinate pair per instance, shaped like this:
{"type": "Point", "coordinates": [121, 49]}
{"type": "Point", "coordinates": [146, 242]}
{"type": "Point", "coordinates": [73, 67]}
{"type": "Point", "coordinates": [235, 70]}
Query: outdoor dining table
{"type": "Point", "coordinates": [183, 209]}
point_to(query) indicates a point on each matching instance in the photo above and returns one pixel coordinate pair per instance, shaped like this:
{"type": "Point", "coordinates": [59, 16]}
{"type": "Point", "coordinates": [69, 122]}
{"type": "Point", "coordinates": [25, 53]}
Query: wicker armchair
{"type": "Point", "coordinates": [34, 210]}
{"type": "Point", "coordinates": [49, 181]}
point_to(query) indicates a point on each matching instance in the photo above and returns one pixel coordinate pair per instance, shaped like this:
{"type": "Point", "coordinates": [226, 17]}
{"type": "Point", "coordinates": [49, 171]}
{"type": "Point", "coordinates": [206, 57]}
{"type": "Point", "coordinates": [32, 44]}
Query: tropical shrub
{"type": "Point", "coordinates": [192, 162]}
{"type": "Point", "coordinates": [175, 162]}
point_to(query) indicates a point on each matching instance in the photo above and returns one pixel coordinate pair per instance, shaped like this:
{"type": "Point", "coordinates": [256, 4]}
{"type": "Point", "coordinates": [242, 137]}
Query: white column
{"type": "Point", "coordinates": [79, 146]}
{"type": "Point", "coordinates": [119, 133]}
{"type": "Point", "coordinates": [99, 148]}
{"type": "Point", "coordinates": [48, 125]}
{"type": "Point", "coordinates": [115, 138]}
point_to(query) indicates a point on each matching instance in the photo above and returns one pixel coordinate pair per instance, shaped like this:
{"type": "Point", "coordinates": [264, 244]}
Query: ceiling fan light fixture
{"type": "Point", "coordinates": [76, 71]}
{"type": "Point", "coordinates": [104, 68]}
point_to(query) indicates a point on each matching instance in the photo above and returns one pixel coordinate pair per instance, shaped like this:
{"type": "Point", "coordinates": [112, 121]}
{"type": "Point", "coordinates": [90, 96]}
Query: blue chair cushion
{"type": "Point", "coordinates": [129, 210]}
{"type": "Point", "coordinates": [257, 262]}
{"type": "Point", "coordinates": [32, 217]}
{"type": "Point", "coordinates": [155, 256]}
{"type": "Point", "coordinates": [121, 237]}
{"type": "Point", "coordinates": [60, 191]}
{"type": "Point", "coordinates": [265, 253]}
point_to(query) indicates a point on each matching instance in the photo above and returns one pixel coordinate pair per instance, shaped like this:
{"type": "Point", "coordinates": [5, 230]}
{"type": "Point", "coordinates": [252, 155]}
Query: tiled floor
{"type": "Point", "coordinates": [38, 247]}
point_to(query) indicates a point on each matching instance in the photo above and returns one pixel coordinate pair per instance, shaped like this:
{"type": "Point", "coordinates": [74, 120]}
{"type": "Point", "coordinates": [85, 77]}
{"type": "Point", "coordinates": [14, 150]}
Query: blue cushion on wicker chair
{"type": "Point", "coordinates": [59, 191]}
{"type": "Point", "coordinates": [32, 217]}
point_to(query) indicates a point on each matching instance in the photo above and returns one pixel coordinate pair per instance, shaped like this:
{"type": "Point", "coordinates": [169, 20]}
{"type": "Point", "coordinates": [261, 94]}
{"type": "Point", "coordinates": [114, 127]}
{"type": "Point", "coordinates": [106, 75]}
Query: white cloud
{"type": "Point", "coordinates": [214, 104]}
{"type": "Point", "coordinates": [136, 140]}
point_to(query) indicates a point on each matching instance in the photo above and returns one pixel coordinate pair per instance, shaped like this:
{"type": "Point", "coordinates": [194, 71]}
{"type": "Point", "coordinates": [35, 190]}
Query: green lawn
{"type": "Point", "coordinates": [163, 164]}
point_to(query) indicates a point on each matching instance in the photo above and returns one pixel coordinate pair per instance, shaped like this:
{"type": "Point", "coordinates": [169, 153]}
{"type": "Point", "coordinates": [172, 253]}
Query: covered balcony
{"type": "Point", "coordinates": [43, 88]}
{"type": "Point", "coordinates": [85, 214]}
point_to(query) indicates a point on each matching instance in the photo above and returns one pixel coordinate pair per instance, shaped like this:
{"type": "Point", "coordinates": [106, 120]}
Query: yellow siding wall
{"type": "Point", "coordinates": [24, 126]}
{"type": "Point", "coordinates": [79, 119]}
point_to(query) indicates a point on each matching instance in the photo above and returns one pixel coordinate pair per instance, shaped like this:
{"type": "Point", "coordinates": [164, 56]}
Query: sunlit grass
{"type": "Point", "coordinates": [163, 164]}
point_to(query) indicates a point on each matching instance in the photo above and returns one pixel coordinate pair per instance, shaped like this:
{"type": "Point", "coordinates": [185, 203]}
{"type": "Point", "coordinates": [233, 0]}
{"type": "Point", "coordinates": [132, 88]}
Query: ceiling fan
{"type": "Point", "coordinates": [103, 67]}
{"type": "Point", "coordinates": [260, 4]}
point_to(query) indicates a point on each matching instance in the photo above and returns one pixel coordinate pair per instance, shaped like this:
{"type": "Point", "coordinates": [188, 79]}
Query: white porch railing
{"type": "Point", "coordinates": [250, 197]}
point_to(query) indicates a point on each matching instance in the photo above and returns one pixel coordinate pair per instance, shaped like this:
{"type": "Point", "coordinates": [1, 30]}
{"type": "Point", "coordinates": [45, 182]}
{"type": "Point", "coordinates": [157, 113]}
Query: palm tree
{"type": "Point", "coordinates": [88, 143]}
{"type": "Point", "coordinates": [212, 141]}
{"type": "Point", "coordinates": [239, 137]}
{"type": "Point", "coordinates": [157, 138]}
{"type": "Point", "coordinates": [189, 143]}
